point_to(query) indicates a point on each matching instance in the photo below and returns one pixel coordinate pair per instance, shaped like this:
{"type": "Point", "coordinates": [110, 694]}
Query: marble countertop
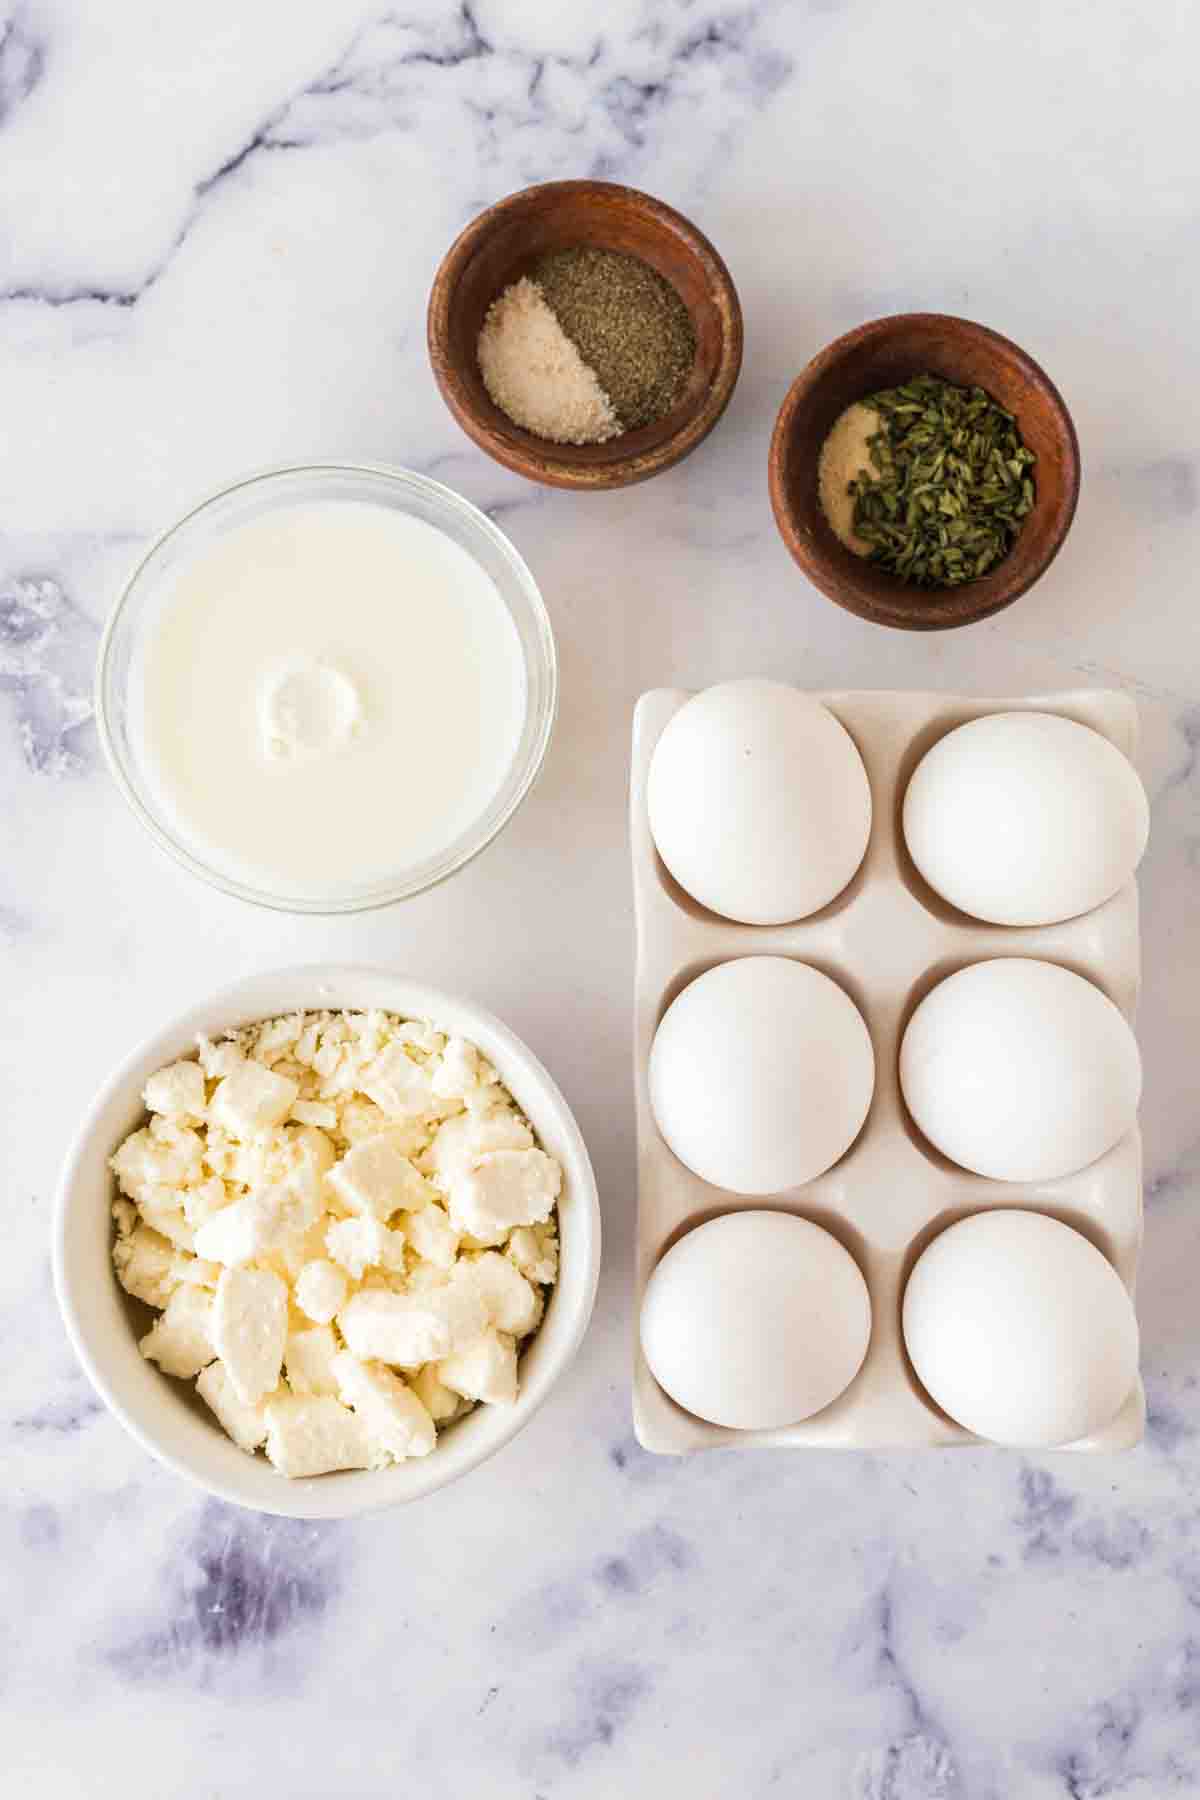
{"type": "Point", "coordinates": [217, 231]}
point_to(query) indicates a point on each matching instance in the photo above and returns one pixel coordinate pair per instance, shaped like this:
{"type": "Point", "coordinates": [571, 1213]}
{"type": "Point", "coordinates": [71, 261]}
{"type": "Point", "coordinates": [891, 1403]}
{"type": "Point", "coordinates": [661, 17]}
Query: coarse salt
{"type": "Point", "coordinates": [535, 374]}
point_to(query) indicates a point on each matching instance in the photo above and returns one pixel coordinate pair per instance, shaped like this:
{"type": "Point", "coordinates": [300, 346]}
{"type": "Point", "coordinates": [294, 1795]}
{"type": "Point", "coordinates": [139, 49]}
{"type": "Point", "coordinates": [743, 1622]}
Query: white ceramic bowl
{"type": "Point", "coordinates": [166, 1416]}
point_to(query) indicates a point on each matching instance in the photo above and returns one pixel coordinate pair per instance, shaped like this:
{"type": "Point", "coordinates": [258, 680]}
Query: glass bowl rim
{"type": "Point", "coordinates": [385, 893]}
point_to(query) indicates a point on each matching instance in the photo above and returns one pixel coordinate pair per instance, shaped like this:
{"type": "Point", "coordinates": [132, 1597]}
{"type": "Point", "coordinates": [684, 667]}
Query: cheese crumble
{"type": "Point", "coordinates": [347, 1230]}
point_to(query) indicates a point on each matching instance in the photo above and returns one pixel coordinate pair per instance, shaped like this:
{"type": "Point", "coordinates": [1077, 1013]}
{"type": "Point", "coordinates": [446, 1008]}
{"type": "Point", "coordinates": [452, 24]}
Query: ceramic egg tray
{"type": "Point", "coordinates": [887, 939]}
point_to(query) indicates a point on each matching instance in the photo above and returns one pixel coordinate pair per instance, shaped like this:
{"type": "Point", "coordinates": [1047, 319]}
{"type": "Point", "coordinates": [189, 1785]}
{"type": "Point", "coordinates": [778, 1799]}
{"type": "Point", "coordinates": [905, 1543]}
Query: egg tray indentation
{"type": "Point", "coordinates": [887, 939]}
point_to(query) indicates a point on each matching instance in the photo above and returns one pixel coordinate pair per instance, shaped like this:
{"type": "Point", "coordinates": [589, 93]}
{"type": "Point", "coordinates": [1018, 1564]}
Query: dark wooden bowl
{"type": "Point", "coordinates": [502, 244]}
{"type": "Point", "coordinates": [880, 355]}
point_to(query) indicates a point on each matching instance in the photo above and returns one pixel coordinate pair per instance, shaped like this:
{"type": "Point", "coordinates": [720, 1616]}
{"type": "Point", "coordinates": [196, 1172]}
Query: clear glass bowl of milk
{"type": "Point", "coordinates": [327, 688]}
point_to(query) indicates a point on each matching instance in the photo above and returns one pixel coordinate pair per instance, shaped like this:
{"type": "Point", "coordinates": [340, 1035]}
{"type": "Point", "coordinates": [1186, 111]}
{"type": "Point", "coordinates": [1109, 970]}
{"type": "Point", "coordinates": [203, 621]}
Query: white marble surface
{"type": "Point", "coordinates": [217, 228]}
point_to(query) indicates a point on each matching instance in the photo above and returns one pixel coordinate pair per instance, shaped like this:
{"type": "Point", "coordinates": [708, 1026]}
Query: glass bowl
{"type": "Point", "coordinates": [148, 591]}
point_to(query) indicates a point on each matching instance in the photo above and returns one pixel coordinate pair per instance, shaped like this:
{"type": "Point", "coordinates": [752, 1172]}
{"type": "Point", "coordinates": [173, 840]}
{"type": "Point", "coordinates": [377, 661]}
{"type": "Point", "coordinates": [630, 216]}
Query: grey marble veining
{"type": "Point", "coordinates": [217, 232]}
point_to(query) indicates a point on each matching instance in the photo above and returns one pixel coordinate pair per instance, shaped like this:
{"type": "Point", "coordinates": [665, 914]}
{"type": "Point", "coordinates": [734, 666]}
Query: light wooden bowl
{"type": "Point", "coordinates": [502, 244]}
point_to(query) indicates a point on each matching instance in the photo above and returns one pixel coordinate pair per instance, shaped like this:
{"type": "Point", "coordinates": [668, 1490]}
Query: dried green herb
{"type": "Point", "coordinates": [953, 484]}
{"type": "Point", "coordinates": [627, 323]}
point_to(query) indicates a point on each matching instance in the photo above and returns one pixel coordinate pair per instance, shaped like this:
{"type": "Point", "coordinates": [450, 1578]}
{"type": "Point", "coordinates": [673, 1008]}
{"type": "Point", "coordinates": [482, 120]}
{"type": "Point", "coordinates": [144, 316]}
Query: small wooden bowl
{"type": "Point", "coordinates": [502, 244]}
{"type": "Point", "coordinates": [880, 355]}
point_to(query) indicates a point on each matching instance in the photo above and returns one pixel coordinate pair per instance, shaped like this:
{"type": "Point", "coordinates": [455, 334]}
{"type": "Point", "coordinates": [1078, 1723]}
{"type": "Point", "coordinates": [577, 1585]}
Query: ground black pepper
{"type": "Point", "coordinates": [627, 323]}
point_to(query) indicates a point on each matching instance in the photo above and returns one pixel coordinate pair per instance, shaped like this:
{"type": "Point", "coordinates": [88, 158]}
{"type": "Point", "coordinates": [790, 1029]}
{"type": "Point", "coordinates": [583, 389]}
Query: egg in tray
{"type": "Point", "coordinates": [888, 1161]}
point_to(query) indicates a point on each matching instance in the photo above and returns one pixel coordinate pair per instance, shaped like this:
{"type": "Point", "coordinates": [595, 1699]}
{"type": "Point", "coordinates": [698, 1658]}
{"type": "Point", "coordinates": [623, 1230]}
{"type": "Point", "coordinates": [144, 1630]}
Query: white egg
{"type": "Point", "coordinates": [1025, 818]}
{"type": "Point", "coordinates": [761, 1074]}
{"type": "Point", "coordinates": [1020, 1070]}
{"type": "Point", "coordinates": [758, 802]}
{"type": "Point", "coordinates": [1020, 1329]}
{"type": "Point", "coordinates": [755, 1320]}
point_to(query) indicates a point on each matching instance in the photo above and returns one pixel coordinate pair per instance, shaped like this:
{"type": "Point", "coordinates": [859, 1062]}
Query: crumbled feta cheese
{"type": "Point", "coordinates": [245, 1165]}
{"type": "Point", "coordinates": [512, 1305]}
{"type": "Point", "coordinates": [180, 1341]}
{"type": "Point", "coordinates": [534, 1249]}
{"type": "Point", "coordinates": [320, 1290]}
{"type": "Point", "coordinates": [219, 1059]}
{"type": "Point", "coordinates": [177, 1091]}
{"type": "Point", "coordinates": [414, 1327]}
{"type": "Point", "coordinates": [143, 1162]}
{"type": "Point", "coordinates": [311, 1146]}
{"type": "Point", "coordinates": [280, 1153]}
{"type": "Point", "coordinates": [308, 1360]}
{"type": "Point", "coordinates": [505, 1188]}
{"type": "Point", "coordinates": [432, 1236]}
{"type": "Point", "coordinates": [314, 1112]}
{"type": "Point", "coordinates": [243, 1218]}
{"type": "Point", "coordinates": [220, 1151]}
{"type": "Point", "coordinates": [246, 1425]}
{"type": "Point", "coordinates": [336, 1070]}
{"type": "Point", "coordinates": [464, 1139]}
{"type": "Point", "coordinates": [391, 1248]}
{"type": "Point", "coordinates": [424, 1276]}
{"type": "Point", "coordinates": [196, 1272]}
{"type": "Point", "coordinates": [457, 1071]}
{"type": "Point", "coordinates": [292, 1255]}
{"type": "Point", "coordinates": [234, 1235]}
{"type": "Point", "coordinates": [380, 1325]}
{"type": "Point", "coordinates": [399, 1085]}
{"type": "Point", "coordinates": [418, 1033]}
{"type": "Point", "coordinates": [487, 1095]}
{"type": "Point", "coordinates": [159, 1209]}
{"type": "Point", "coordinates": [375, 1178]}
{"type": "Point", "coordinates": [359, 1119]}
{"type": "Point", "coordinates": [485, 1370]}
{"type": "Point", "coordinates": [205, 1199]}
{"type": "Point", "coordinates": [366, 1032]}
{"type": "Point", "coordinates": [303, 1160]}
{"type": "Point", "coordinates": [439, 1401]}
{"type": "Point", "coordinates": [291, 1213]}
{"type": "Point", "coordinates": [327, 1060]}
{"type": "Point", "coordinates": [181, 1143]}
{"type": "Point", "coordinates": [257, 1225]}
{"type": "Point", "coordinates": [314, 1434]}
{"type": "Point", "coordinates": [276, 1036]}
{"type": "Point", "coordinates": [398, 1424]}
{"type": "Point", "coordinates": [146, 1266]}
{"type": "Point", "coordinates": [249, 1330]}
{"type": "Point", "coordinates": [252, 1099]}
{"type": "Point", "coordinates": [361, 1243]}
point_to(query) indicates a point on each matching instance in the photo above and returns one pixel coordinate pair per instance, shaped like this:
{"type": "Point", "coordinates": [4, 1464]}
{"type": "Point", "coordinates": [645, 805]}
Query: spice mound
{"type": "Point", "coordinates": [930, 481]}
{"type": "Point", "coordinates": [590, 344]}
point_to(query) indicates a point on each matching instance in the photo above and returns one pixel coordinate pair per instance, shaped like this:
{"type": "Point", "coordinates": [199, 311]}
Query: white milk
{"type": "Point", "coordinates": [333, 692]}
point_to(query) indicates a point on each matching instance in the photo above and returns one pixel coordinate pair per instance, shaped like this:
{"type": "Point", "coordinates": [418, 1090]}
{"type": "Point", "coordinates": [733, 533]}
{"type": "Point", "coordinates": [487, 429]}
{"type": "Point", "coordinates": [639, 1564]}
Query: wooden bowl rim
{"type": "Point", "coordinates": [974, 600]}
{"type": "Point", "coordinates": [534, 457]}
